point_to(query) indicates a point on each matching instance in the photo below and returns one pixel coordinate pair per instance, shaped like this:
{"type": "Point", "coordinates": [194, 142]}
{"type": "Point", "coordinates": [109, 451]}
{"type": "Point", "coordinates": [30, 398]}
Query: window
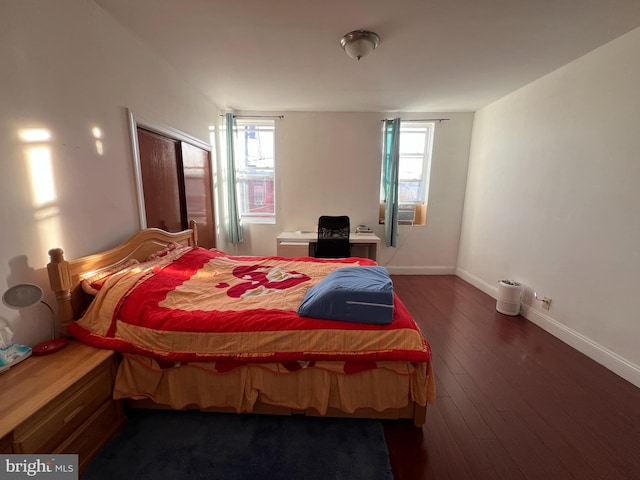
{"type": "Point", "coordinates": [255, 170]}
{"type": "Point", "coordinates": [416, 139]}
{"type": "Point", "coordinates": [416, 142]}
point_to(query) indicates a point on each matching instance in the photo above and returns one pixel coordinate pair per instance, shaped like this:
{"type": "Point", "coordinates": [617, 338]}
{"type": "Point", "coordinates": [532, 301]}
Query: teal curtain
{"type": "Point", "coordinates": [234, 231]}
{"type": "Point", "coordinates": [390, 163]}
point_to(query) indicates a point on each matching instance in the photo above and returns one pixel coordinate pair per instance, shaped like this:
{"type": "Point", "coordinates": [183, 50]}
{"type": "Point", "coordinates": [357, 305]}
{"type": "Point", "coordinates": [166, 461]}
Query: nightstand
{"type": "Point", "coordinates": [60, 403]}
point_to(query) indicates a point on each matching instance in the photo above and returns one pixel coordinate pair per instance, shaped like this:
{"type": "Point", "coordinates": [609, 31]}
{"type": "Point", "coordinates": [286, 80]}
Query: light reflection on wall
{"type": "Point", "coordinates": [31, 135]}
{"type": "Point", "coordinates": [214, 175]}
{"type": "Point", "coordinates": [42, 188]}
{"type": "Point", "coordinates": [97, 134]}
{"type": "Point", "coordinates": [46, 213]}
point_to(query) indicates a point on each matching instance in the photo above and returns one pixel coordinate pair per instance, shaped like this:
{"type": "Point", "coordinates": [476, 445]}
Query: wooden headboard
{"type": "Point", "coordinates": [65, 276]}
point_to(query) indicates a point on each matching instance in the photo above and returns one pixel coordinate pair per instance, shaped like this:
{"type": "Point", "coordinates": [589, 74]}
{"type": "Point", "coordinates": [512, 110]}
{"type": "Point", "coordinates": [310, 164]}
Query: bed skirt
{"type": "Point", "coordinates": [323, 387]}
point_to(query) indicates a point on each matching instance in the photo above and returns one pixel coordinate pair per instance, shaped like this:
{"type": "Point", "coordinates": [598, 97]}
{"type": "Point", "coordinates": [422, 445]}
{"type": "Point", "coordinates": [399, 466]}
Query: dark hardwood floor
{"type": "Point", "coordinates": [513, 402]}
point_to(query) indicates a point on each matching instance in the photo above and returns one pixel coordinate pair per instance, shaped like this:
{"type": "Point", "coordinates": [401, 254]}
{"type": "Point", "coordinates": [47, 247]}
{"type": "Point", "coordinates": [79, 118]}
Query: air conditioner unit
{"type": "Point", "coordinates": [406, 213]}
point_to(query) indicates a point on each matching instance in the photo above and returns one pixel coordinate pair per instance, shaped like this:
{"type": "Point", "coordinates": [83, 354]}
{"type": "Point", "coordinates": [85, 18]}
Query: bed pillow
{"type": "Point", "coordinates": [171, 247]}
{"type": "Point", "coordinates": [93, 282]}
{"type": "Point", "coordinates": [351, 294]}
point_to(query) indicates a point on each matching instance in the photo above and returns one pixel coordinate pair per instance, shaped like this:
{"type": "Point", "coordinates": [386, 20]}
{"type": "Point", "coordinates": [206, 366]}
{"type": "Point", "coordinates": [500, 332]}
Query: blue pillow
{"type": "Point", "coordinates": [351, 294]}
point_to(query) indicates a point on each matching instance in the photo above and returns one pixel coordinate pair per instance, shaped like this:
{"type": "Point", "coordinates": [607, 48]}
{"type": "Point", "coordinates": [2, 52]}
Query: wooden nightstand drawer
{"type": "Point", "coordinates": [92, 436]}
{"type": "Point", "coordinates": [60, 403]}
{"type": "Point", "coordinates": [48, 428]}
{"type": "Point", "coordinates": [5, 445]}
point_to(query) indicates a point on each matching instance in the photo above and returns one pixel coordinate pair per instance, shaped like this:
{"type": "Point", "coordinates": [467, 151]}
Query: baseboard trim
{"type": "Point", "coordinates": [585, 345]}
{"type": "Point", "coordinates": [591, 349]}
{"type": "Point", "coordinates": [491, 290]}
{"type": "Point", "coordinates": [421, 270]}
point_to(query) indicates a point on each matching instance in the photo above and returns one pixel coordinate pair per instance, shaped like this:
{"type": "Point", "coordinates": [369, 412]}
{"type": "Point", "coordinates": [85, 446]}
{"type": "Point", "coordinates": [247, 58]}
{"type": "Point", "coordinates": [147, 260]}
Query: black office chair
{"type": "Point", "coordinates": [333, 237]}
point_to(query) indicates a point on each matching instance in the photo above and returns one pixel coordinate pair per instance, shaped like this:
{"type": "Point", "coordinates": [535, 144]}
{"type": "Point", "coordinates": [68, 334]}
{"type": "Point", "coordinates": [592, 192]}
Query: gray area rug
{"type": "Point", "coordinates": [192, 445]}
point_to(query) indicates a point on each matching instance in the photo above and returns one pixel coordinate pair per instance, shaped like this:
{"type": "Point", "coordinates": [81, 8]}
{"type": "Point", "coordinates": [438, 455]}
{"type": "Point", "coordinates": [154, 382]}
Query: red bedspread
{"type": "Point", "coordinates": [202, 305]}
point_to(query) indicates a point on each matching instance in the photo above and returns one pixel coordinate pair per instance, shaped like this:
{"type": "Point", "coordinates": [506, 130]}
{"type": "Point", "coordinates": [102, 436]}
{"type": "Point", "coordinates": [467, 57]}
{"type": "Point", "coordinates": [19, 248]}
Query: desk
{"type": "Point", "coordinates": [301, 244]}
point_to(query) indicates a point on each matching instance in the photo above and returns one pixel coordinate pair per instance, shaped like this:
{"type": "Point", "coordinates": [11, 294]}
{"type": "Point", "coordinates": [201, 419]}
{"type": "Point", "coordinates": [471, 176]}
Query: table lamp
{"type": "Point", "coordinates": [26, 295]}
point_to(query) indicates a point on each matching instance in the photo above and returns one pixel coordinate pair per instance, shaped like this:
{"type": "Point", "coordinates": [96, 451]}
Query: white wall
{"type": "Point", "coordinates": [68, 67]}
{"type": "Point", "coordinates": [329, 163]}
{"type": "Point", "coordinates": [553, 202]}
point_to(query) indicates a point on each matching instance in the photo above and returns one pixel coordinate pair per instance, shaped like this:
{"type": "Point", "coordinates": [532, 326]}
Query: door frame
{"type": "Point", "coordinates": [136, 121]}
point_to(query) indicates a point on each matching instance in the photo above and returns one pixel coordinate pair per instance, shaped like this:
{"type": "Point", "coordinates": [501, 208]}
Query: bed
{"type": "Point", "coordinates": [199, 328]}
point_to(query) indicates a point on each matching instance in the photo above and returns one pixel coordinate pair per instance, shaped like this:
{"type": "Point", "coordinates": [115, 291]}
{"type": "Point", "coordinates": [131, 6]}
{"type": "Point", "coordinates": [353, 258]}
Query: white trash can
{"type": "Point", "coordinates": [509, 293]}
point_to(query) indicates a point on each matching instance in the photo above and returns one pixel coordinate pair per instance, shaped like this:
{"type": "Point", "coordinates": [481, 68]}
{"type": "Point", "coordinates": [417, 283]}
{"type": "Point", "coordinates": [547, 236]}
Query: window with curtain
{"type": "Point", "coordinates": [255, 169]}
{"type": "Point", "coordinates": [416, 142]}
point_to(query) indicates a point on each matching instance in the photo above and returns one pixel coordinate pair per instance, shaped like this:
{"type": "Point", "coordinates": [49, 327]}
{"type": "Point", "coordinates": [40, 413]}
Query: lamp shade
{"type": "Point", "coordinates": [22, 295]}
{"type": "Point", "coordinates": [359, 43]}
{"type": "Point", "coordinates": [26, 295]}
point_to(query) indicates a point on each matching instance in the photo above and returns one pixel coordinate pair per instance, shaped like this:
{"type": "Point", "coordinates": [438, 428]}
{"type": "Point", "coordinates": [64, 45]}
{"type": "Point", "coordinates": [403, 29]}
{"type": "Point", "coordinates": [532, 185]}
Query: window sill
{"type": "Point", "coordinates": [253, 221]}
{"type": "Point", "coordinates": [415, 224]}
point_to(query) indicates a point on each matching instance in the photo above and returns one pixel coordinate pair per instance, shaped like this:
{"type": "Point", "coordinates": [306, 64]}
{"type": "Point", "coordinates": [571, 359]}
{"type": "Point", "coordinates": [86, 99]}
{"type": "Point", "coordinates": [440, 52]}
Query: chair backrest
{"type": "Point", "coordinates": [333, 237]}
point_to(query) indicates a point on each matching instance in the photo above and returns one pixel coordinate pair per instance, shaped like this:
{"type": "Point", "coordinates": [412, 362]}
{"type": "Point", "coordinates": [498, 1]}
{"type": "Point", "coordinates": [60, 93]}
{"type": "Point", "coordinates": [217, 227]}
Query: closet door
{"type": "Point", "coordinates": [161, 167]}
{"type": "Point", "coordinates": [196, 168]}
{"type": "Point", "coordinates": [176, 185]}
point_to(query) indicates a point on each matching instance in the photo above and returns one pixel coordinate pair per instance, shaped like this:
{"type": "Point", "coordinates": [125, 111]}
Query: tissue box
{"type": "Point", "coordinates": [13, 354]}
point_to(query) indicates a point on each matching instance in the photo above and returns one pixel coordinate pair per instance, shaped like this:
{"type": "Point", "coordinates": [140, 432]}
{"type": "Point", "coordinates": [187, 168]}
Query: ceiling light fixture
{"type": "Point", "coordinates": [359, 43]}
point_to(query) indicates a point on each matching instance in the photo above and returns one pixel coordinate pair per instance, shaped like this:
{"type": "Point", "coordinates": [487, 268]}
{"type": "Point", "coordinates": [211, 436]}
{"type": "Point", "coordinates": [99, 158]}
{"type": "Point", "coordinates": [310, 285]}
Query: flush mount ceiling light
{"type": "Point", "coordinates": [359, 43]}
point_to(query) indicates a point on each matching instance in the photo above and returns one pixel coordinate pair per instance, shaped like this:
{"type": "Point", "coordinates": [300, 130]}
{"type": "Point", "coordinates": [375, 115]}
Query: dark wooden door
{"type": "Point", "coordinates": [176, 184]}
{"type": "Point", "coordinates": [160, 167]}
{"type": "Point", "coordinates": [196, 167]}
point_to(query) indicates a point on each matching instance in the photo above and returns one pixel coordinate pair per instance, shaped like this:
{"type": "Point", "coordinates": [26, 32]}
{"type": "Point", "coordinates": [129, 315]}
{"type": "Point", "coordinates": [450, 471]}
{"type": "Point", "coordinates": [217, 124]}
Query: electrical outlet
{"type": "Point", "coordinates": [546, 302]}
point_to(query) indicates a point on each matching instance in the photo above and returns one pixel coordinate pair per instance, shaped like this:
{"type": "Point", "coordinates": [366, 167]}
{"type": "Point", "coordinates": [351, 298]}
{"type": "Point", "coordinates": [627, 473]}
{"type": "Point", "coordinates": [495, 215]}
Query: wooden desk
{"type": "Point", "coordinates": [301, 244]}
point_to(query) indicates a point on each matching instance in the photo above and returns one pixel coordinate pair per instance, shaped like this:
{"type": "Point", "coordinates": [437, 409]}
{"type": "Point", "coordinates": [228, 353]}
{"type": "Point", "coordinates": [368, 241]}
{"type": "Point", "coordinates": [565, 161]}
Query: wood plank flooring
{"type": "Point", "coordinates": [513, 402]}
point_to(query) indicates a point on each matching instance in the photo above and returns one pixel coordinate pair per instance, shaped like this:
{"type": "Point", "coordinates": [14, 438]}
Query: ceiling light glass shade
{"type": "Point", "coordinates": [359, 43]}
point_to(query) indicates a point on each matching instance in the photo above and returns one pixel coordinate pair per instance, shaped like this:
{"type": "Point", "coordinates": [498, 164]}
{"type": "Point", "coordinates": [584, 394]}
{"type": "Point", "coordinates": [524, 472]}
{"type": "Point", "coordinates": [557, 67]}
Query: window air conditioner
{"type": "Point", "coordinates": [406, 213]}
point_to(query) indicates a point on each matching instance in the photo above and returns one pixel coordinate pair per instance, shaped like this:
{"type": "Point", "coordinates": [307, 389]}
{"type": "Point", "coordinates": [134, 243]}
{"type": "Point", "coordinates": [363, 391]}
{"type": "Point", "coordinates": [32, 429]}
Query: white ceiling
{"type": "Point", "coordinates": [434, 55]}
